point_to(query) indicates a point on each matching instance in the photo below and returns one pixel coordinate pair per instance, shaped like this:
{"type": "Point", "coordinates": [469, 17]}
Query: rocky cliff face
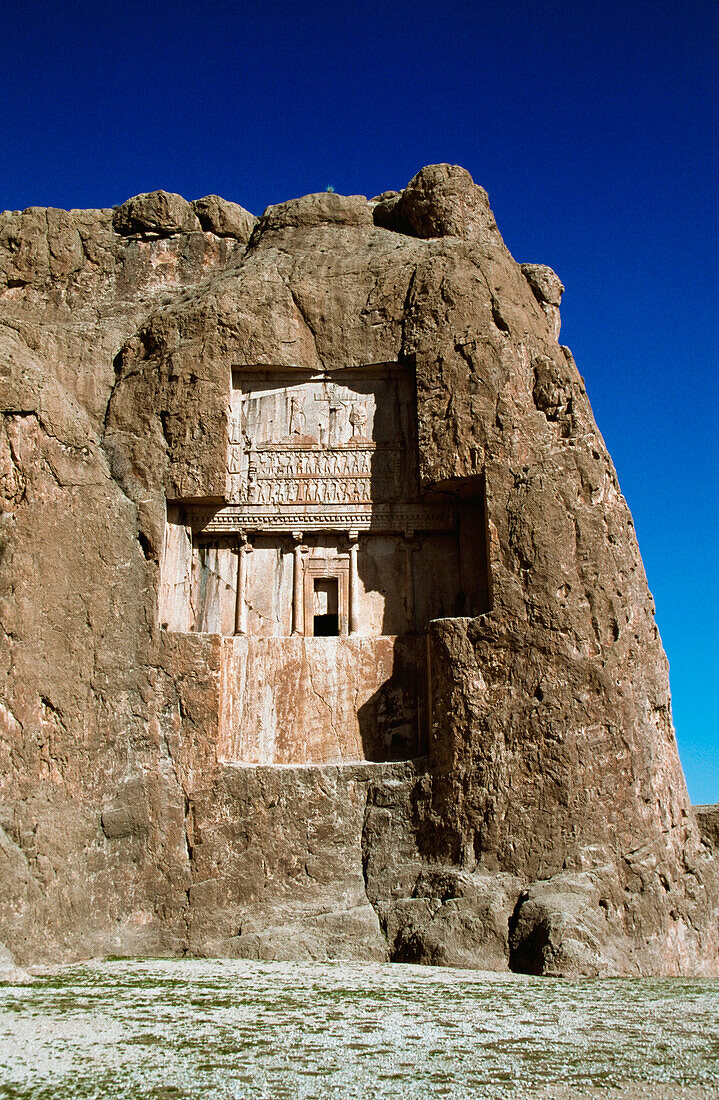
{"type": "Point", "coordinates": [549, 828]}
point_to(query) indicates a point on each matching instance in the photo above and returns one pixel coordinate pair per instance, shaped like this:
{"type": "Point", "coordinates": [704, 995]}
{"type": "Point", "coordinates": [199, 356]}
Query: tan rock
{"type": "Point", "coordinates": [548, 828]}
{"type": "Point", "coordinates": [160, 213]}
{"type": "Point", "coordinates": [708, 821]}
{"type": "Point", "coordinates": [225, 219]}
{"type": "Point", "coordinates": [9, 972]}
{"type": "Point", "coordinates": [324, 208]}
{"type": "Point", "coordinates": [441, 201]}
{"type": "Point", "coordinates": [547, 289]}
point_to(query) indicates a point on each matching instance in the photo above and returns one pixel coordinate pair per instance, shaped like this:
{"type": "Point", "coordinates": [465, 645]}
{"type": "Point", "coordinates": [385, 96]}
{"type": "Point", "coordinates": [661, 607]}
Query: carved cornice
{"type": "Point", "coordinates": [362, 517]}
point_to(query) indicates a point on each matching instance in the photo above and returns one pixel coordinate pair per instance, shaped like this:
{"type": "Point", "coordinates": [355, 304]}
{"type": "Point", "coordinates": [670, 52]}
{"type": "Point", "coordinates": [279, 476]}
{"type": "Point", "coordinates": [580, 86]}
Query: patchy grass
{"type": "Point", "coordinates": [149, 1029]}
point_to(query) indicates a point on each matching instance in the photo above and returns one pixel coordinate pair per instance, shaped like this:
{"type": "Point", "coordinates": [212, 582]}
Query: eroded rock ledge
{"type": "Point", "coordinates": [542, 822]}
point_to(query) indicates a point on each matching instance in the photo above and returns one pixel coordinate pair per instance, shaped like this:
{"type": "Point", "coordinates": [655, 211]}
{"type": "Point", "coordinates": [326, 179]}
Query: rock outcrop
{"type": "Point", "coordinates": [548, 828]}
{"type": "Point", "coordinates": [708, 821]}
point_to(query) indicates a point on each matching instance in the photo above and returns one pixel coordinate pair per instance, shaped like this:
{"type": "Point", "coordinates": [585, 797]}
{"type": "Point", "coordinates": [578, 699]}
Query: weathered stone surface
{"type": "Point", "coordinates": [279, 862]}
{"type": "Point", "coordinates": [160, 213]}
{"type": "Point", "coordinates": [225, 219]}
{"type": "Point", "coordinates": [546, 286]}
{"type": "Point", "coordinates": [547, 830]}
{"type": "Point", "coordinates": [324, 208]}
{"type": "Point", "coordinates": [74, 290]}
{"type": "Point", "coordinates": [9, 972]}
{"type": "Point", "coordinates": [547, 289]}
{"type": "Point", "coordinates": [352, 698]}
{"type": "Point", "coordinates": [708, 821]}
{"type": "Point", "coordinates": [441, 201]}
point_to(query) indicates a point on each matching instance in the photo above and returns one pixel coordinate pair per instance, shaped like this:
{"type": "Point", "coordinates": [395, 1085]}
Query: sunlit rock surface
{"type": "Point", "coordinates": [325, 632]}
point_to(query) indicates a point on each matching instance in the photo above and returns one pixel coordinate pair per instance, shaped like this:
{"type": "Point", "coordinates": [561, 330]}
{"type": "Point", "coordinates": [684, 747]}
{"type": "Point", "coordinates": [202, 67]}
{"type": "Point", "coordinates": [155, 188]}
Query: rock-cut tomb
{"type": "Point", "coordinates": [323, 568]}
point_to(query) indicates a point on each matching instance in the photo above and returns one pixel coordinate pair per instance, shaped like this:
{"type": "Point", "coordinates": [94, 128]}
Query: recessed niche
{"type": "Point", "coordinates": [325, 542]}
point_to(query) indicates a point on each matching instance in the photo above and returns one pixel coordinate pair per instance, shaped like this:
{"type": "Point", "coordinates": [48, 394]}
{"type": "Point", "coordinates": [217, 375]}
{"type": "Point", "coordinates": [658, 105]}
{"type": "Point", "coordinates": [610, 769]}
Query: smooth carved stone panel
{"type": "Point", "coordinates": [214, 587]}
{"type": "Point", "coordinates": [269, 587]}
{"type": "Point", "coordinates": [323, 700]}
{"type": "Point", "coordinates": [339, 438]}
{"type": "Point", "coordinates": [175, 594]}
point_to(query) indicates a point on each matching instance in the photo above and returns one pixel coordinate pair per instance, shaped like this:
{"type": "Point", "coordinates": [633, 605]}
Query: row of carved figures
{"type": "Point", "coordinates": [332, 463]}
{"type": "Point", "coordinates": [327, 490]}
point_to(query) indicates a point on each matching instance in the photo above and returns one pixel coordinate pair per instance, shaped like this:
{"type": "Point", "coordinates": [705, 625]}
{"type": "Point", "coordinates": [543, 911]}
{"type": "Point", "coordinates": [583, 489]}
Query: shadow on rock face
{"type": "Point", "coordinates": [529, 939]}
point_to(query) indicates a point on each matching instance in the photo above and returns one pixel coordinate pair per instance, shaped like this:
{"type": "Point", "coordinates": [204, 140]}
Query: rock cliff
{"type": "Point", "coordinates": [548, 828]}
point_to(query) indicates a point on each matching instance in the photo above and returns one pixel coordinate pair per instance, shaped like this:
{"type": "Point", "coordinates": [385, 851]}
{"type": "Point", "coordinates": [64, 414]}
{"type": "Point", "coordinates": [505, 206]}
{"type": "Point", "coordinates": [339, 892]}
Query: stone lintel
{"type": "Point", "coordinates": [406, 518]}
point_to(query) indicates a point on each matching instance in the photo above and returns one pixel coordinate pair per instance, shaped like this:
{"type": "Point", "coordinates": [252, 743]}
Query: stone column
{"type": "Point", "coordinates": [354, 623]}
{"type": "Point", "coordinates": [243, 549]}
{"type": "Point", "coordinates": [298, 618]}
{"type": "Point", "coordinates": [409, 580]}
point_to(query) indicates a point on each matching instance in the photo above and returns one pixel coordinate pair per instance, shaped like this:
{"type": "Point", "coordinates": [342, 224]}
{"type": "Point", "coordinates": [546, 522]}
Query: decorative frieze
{"type": "Point", "coordinates": [363, 517]}
{"type": "Point", "coordinates": [286, 475]}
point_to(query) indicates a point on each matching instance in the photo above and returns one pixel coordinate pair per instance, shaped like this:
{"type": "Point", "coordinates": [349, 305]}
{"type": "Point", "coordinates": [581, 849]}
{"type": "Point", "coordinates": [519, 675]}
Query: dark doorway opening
{"type": "Point", "coordinates": [327, 626]}
{"type": "Point", "coordinates": [326, 620]}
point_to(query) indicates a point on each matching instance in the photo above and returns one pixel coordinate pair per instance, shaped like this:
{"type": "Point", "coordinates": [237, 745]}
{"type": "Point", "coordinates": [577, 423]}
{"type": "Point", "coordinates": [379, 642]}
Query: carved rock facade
{"type": "Point", "coordinates": [324, 627]}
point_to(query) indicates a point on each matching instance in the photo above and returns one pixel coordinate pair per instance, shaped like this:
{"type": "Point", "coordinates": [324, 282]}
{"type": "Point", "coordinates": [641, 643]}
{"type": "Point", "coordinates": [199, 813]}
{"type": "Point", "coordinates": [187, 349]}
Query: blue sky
{"type": "Point", "coordinates": [594, 127]}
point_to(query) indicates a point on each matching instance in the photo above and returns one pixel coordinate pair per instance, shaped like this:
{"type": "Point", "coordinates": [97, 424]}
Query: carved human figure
{"type": "Point", "coordinates": [234, 465]}
{"type": "Point", "coordinates": [297, 415]}
{"type": "Point", "coordinates": [251, 486]}
{"type": "Point", "coordinates": [234, 427]}
{"type": "Point", "coordinates": [338, 421]}
{"type": "Point", "coordinates": [358, 421]}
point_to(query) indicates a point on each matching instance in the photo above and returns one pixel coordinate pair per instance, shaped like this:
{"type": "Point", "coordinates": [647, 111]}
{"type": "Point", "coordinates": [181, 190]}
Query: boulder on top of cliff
{"type": "Point", "coordinates": [223, 218]}
{"type": "Point", "coordinates": [323, 208]}
{"type": "Point", "coordinates": [157, 213]}
{"type": "Point", "coordinates": [442, 200]}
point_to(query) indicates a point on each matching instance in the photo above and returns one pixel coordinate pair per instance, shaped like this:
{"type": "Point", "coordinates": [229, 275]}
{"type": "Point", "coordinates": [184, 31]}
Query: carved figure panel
{"type": "Point", "coordinates": [344, 438]}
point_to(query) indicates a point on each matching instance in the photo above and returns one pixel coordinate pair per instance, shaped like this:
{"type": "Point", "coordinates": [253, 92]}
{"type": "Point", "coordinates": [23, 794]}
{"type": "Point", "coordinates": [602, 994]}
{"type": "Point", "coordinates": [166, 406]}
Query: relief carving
{"type": "Point", "coordinates": [319, 441]}
{"type": "Point", "coordinates": [358, 421]}
{"type": "Point", "coordinates": [360, 516]}
{"type": "Point", "coordinates": [285, 475]}
{"type": "Point", "coordinates": [297, 414]}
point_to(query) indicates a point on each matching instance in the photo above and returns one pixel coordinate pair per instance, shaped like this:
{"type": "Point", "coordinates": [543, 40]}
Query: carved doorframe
{"type": "Point", "coordinates": [325, 569]}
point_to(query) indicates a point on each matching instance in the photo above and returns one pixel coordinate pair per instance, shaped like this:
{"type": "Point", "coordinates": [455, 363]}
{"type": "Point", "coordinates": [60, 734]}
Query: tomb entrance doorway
{"type": "Point", "coordinates": [325, 619]}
